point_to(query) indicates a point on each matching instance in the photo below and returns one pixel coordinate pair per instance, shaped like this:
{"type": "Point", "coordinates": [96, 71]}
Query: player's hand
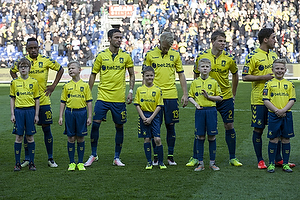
{"type": "Point", "coordinates": [198, 107]}
{"type": "Point", "coordinates": [129, 98]}
{"type": "Point", "coordinates": [89, 121]}
{"type": "Point", "coordinates": [60, 121]}
{"type": "Point", "coordinates": [280, 113]}
{"type": "Point", "coordinates": [147, 121]}
{"type": "Point", "coordinates": [49, 90]}
{"type": "Point", "coordinates": [184, 100]}
{"type": "Point", "coordinates": [268, 76]}
{"type": "Point", "coordinates": [205, 94]}
{"type": "Point", "coordinates": [13, 118]}
{"type": "Point", "coordinates": [36, 119]}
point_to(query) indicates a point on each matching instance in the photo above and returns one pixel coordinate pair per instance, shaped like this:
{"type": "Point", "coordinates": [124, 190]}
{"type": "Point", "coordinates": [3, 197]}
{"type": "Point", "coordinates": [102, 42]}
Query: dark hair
{"type": "Point", "coordinates": [112, 31]}
{"type": "Point", "coordinates": [264, 33]}
{"type": "Point", "coordinates": [148, 69]}
{"type": "Point", "coordinates": [24, 61]}
{"type": "Point", "coordinates": [217, 33]}
{"type": "Point", "coordinates": [31, 39]}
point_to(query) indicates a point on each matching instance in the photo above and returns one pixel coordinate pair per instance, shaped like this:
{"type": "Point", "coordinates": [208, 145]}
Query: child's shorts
{"type": "Point", "coordinates": [206, 120]}
{"type": "Point", "coordinates": [149, 131]}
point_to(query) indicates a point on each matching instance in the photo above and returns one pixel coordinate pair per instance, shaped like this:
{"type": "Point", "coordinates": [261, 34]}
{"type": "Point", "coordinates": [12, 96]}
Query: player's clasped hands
{"type": "Point", "coordinates": [280, 113]}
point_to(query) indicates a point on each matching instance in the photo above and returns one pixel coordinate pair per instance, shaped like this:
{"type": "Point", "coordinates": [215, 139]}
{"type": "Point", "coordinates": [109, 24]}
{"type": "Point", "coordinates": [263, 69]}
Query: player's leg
{"type": "Point", "coordinates": [155, 153]}
{"type": "Point", "coordinates": [29, 132]}
{"type": "Point", "coordinates": [81, 131]}
{"type": "Point", "coordinates": [71, 152]}
{"type": "Point", "coordinates": [80, 152]}
{"type": "Point", "coordinates": [258, 122]}
{"type": "Point", "coordinates": [17, 148]}
{"type": "Point", "coordinates": [287, 133]}
{"type": "Point", "coordinates": [119, 115]}
{"type": "Point", "coordinates": [147, 150]}
{"type": "Point", "coordinates": [45, 119]}
{"type": "Point", "coordinates": [272, 147]}
{"type": "Point", "coordinates": [200, 151]}
{"type": "Point", "coordinates": [155, 130]}
{"type": "Point", "coordinates": [171, 114]}
{"type": "Point", "coordinates": [100, 111]}
{"type": "Point", "coordinates": [212, 131]}
{"type": "Point", "coordinates": [226, 109]}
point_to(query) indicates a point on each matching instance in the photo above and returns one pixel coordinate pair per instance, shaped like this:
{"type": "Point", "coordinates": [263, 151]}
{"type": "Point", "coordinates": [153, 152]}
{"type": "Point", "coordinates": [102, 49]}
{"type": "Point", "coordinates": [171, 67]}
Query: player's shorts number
{"type": "Point", "coordinates": [123, 113]}
{"type": "Point", "coordinates": [230, 114]}
{"type": "Point", "coordinates": [48, 114]}
{"type": "Point", "coordinates": [176, 114]}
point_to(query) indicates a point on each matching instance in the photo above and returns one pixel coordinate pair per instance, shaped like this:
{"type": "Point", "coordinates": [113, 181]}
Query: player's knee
{"type": "Point", "coordinates": [147, 140]}
{"type": "Point", "coordinates": [119, 125]}
{"type": "Point", "coordinates": [157, 141]}
{"type": "Point", "coordinates": [200, 137]}
{"type": "Point", "coordinates": [285, 140]}
{"type": "Point", "coordinates": [211, 138]}
{"type": "Point", "coordinates": [274, 140]}
{"type": "Point", "coordinates": [29, 138]}
{"type": "Point", "coordinates": [71, 139]}
{"type": "Point", "coordinates": [19, 138]}
{"type": "Point", "coordinates": [228, 126]}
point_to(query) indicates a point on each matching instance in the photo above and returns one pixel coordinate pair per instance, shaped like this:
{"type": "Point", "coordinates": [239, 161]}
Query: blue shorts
{"type": "Point", "coordinates": [226, 109]}
{"type": "Point", "coordinates": [45, 115]}
{"type": "Point", "coordinates": [280, 126]}
{"type": "Point", "coordinates": [75, 122]}
{"type": "Point", "coordinates": [259, 116]}
{"type": "Point", "coordinates": [24, 121]}
{"type": "Point", "coordinates": [206, 120]}
{"type": "Point", "coordinates": [170, 111]}
{"type": "Point", "coordinates": [149, 131]}
{"type": "Point", "coordinates": [118, 111]}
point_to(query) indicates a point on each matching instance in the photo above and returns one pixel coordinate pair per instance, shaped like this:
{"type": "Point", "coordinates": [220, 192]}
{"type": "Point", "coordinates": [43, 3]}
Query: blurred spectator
{"type": "Point", "coordinates": [10, 62]}
{"type": "Point", "coordinates": [81, 58]}
{"type": "Point", "coordinates": [3, 63]}
{"type": "Point", "coordinates": [89, 56]}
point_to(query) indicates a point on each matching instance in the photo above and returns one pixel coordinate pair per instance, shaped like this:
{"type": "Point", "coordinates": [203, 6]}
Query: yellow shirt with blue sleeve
{"type": "Point", "coordinates": [76, 94]}
{"type": "Point", "coordinates": [39, 71]}
{"type": "Point", "coordinates": [210, 85]}
{"type": "Point", "coordinates": [258, 63]}
{"type": "Point", "coordinates": [165, 68]}
{"type": "Point", "coordinates": [24, 91]}
{"type": "Point", "coordinates": [220, 68]}
{"type": "Point", "coordinates": [112, 69]}
{"type": "Point", "coordinates": [148, 98]}
{"type": "Point", "coordinates": [279, 92]}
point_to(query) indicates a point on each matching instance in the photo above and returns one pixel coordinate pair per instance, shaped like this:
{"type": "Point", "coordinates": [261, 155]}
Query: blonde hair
{"type": "Point", "coordinates": [73, 62]}
{"type": "Point", "coordinates": [204, 60]}
{"type": "Point", "coordinates": [282, 61]}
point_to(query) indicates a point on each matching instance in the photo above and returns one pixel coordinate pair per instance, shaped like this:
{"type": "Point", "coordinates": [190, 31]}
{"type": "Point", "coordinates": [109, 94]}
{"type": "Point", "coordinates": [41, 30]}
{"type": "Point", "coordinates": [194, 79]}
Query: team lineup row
{"type": "Point", "coordinates": [155, 100]}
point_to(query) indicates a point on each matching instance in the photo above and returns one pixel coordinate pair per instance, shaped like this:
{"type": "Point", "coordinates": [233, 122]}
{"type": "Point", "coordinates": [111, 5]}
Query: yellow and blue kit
{"type": "Point", "coordinates": [165, 67]}
{"type": "Point", "coordinates": [112, 69]}
{"type": "Point", "coordinates": [39, 71]}
{"type": "Point", "coordinates": [220, 68]}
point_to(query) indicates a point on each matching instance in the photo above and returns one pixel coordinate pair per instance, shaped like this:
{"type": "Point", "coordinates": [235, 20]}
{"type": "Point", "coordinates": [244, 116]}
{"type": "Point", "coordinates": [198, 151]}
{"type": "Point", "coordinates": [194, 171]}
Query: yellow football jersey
{"type": "Point", "coordinates": [76, 94]}
{"type": "Point", "coordinates": [258, 63]}
{"type": "Point", "coordinates": [220, 68]}
{"type": "Point", "coordinates": [279, 92]}
{"type": "Point", "coordinates": [165, 68]}
{"type": "Point", "coordinates": [112, 71]}
{"type": "Point", "coordinates": [39, 71]}
{"type": "Point", "coordinates": [148, 98]}
{"type": "Point", "coordinates": [24, 91]}
{"type": "Point", "coordinates": [210, 85]}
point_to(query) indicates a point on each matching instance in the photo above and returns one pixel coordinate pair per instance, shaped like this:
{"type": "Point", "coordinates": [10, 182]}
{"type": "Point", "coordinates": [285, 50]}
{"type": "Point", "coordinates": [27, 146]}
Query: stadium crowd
{"type": "Point", "coordinates": [71, 30]}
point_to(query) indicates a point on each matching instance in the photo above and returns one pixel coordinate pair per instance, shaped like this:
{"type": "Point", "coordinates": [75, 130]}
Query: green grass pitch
{"type": "Point", "coordinates": [104, 181]}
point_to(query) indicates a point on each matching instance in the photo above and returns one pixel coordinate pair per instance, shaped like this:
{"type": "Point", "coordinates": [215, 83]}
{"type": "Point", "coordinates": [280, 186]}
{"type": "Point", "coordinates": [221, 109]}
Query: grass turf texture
{"type": "Point", "coordinates": [104, 181]}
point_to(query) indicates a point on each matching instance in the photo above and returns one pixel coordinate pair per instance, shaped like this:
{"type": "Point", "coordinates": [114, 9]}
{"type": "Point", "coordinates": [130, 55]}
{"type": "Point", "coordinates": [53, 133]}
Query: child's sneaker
{"type": "Point", "coordinates": [118, 162]}
{"type": "Point", "coordinates": [214, 167]}
{"type": "Point", "coordinates": [72, 167]}
{"type": "Point", "coordinates": [155, 161]}
{"type": "Point", "coordinates": [192, 162]}
{"type": "Point", "coordinates": [200, 167]}
{"type": "Point", "coordinates": [25, 163]}
{"type": "Point", "coordinates": [81, 167]}
{"type": "Point", "coordinates": [162, 166]}
{"type": "Point", "coordinates": [91, 160]}
{"type": "Point", "coordinates": [262, 165]}
{"type": "Point", "coordinates": [149, 166]}
{"type": "Point", "coordinates": [279, 164]}
{"type": "Point", "coordinates": [17, 167]}
{"type": "Point", "coordinates": [32, 166]}
{"type": "Point", "coordinates": [52, 163]}
{"type": "Point", "coordinates": [271, 168]}
{"type": "Point", "coordinates": [171, 160]}
{"type": "Point", "coordinates": [287, 168]}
